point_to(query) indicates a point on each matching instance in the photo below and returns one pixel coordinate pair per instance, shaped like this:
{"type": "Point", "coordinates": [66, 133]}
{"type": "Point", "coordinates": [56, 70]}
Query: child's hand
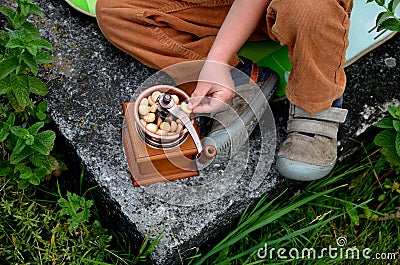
{"type": "Point", "coordinates": [214, 88]}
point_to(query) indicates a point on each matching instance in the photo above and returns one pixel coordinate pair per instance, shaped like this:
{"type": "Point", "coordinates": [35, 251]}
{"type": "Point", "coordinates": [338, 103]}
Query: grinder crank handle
{"type": "Point", "coordinates": [204, 155]}
{"type": "Point", "coordinates": [177, 112]}
{"type": "Point", "coordinates": [166, 102]}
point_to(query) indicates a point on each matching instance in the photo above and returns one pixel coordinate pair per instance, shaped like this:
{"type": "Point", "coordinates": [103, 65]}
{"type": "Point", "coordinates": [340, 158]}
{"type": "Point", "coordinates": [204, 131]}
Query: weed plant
{"type": "Point", "coordinates": [25, 142]}
{"type": "Point", "coordinates": [39, 224]}
{"type": "Point", "coordinates": [44, 230]}
{"type": "Point", "coordinates": [387, 19]}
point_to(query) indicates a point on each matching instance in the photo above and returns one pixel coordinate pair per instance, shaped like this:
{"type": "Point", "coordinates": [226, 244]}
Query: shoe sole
{"type": "Point", "coordinates": [301, 171]}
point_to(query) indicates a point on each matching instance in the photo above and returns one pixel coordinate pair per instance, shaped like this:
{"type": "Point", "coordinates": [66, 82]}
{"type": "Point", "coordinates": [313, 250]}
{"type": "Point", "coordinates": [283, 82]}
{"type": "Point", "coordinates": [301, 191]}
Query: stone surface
{"type": "Point", "coordinates": [88, 83]}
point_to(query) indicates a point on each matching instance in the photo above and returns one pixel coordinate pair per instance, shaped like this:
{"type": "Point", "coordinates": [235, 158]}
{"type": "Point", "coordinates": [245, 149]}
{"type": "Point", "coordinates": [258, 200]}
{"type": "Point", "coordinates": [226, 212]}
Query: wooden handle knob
{"type": "Point", "coordinates": [208, 153]}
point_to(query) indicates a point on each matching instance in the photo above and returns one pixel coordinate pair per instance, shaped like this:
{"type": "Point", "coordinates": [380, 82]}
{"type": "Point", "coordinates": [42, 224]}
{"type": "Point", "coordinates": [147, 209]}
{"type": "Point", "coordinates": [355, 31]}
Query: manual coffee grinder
{"type": "Point", "coordinates": [155, 156]}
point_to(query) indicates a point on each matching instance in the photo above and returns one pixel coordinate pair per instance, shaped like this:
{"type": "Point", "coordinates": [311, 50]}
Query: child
{"type": "Point", "coordinates": [161, 33]}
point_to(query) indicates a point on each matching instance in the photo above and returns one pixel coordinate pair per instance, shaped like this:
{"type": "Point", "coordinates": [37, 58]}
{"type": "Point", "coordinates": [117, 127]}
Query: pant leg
{"type": "Point", "coordinates": [160, 33]}
{"type": "Point", "coordinates": [316, 33]}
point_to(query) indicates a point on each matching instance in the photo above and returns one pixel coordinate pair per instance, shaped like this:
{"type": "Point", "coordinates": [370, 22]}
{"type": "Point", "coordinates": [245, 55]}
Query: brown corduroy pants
{"type": "Point", "coordinates": [160, 33]}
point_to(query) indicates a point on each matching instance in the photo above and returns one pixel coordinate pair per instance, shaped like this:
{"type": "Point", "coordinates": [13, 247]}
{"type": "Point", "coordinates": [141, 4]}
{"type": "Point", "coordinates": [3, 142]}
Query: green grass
{"type": "Point", "coordinates": [48, 224]}
{"type": "Point", "coordinates": [357, 203]}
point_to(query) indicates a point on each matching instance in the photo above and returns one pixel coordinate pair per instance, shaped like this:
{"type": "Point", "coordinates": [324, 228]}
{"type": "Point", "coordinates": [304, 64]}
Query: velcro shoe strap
{"type": "Point", "coordinates": [324, 128]}
{"type": "Point", "coordinates": [332, 114]}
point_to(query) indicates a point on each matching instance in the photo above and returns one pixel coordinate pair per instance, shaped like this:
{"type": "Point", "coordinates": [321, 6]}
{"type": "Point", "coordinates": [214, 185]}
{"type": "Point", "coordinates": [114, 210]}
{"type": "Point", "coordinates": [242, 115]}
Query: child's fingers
{"type": "Point", "coordinates": [198, 94]}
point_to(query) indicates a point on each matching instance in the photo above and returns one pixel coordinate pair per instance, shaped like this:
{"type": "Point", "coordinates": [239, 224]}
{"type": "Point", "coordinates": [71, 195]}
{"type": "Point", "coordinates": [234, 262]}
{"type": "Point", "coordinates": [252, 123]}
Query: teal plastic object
{"type": "Point", "coordinates": [87, 7]}
{"type": "Point", "coordinates": [270, 54]}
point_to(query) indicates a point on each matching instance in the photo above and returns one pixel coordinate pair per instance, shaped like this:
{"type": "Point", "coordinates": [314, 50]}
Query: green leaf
{"type": "Point", "coordinates": [5, 130]}
{"type": "Point", "coordinates": [55, 164]}
{"type": "Point", "coordinates": [41, 43]}
{"type": "Point", "coordinates": [26, 175]}
{"type": "Point", "coordinates": [3, 40]}
{"type": "Point", "coordinates": [34, 179]}
{"type": "Point", "coordinates": [40, 148]}
{"type": "Point", "coordinates": [42, 107]}
{"type": "Point", "coordinates": [32, 50]}
{"type": "Point", "coordinates": [44, 142]}
{"type": "Point", "coordinates": [389, 24]}
{"type": "Point", "coordinates": [4, 133]}
{"type": "Point", "coordinates": [41, 161]}
{"type": "Point", "coordinates": [35, 9]}
{"type": "Point", "coordinates": [14, 103]}
{"type": "Point", "coordinates": [43, 57]}
{"type": "Point", "coordinates": [394, 111]}
{"type": "Point", "coordinates": [353, 214]}
{"type": "Point", "coordinates": [23, 184]}
{"type": "Point", "coordinates": [398, 143]}
{"type": "Point", "coordinates": [17, 158]}
{"type": "Point", "coordinates": [22, 168]}
{"type": "Point", "coordinates": [391, 156]}
{"type": "Point", "coordinates": [8, 13]}
{"type": "Point", "coordinates": [385, 123]}
{"type": "Point", "coordinates": [19, 146]}
{"type": "Point", "coordinates": [393, 4]}
{"type": "Point", "coordinates": [15, 43]}
{"type": "Point", "coordinates": [30, 62]}
{"type": "Point", "coordinates": [16, 34]}
{"type": "Point", "coordinates": [77, 208]}
{"type": "Point", "coordinates": [396, 125]}
{"type": "Point", "coordinates": [382, 197]}
{"type": "Point", "coordinates": [5, 86]}
{"type": "Point", "coordinates": [19, 131]}
{"type": "Point", "coordinates": [29, 139]}
{"type": "Point", "coordinates": [25, 171]}
{"type": "Point", "coordinates": [21, 89]}
{"type": "Point", "coordinates": [31, 28]}
{"type": "Point", "coordinates": [385, 138]}
{"type": "Point", "coordinates": [37, 86]}
{"type": "Point", "coordinates": [5, 169]}
{"type": "Point", "coordinates": [369, 1]}
{"type": "Point", "coordinates": [380, 2]}
{"type": "Point", "coordinates": [41, 116]}
{"type": "Point", "coordinates": [383, 16]}
{"type": "Point", "coordinates": [34, 129]}
{"type": "Point", "coordinates": [7, 66]}
{"type": "Point", "coordinates": [41, 172]}
{"type": "Point", "coordinates": [11, 120]}
{"type": "Point", "coordinates": [18, 21]}
{"type": "Point", "coordinates": [24, 8]}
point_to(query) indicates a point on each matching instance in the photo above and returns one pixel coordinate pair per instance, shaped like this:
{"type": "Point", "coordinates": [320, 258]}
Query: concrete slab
{"type": "Point", "coordinates": [88, 83]}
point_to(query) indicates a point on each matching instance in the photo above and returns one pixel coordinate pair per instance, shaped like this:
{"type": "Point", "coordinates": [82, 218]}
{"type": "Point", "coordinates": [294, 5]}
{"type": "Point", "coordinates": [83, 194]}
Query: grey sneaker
{"type": "Point", "coordinates": [310, 149]}
{"type": "Point", "coordinates": [235, 122]}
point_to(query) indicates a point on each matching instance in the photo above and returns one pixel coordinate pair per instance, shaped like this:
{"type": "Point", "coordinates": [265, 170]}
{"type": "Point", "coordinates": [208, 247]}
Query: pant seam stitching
{"type": "Point", "coordinates": [344, 48]}
{"type": "Point", "coordinates": [181, 6]}
{"type": "Point", "coordinates": [168, 43]}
